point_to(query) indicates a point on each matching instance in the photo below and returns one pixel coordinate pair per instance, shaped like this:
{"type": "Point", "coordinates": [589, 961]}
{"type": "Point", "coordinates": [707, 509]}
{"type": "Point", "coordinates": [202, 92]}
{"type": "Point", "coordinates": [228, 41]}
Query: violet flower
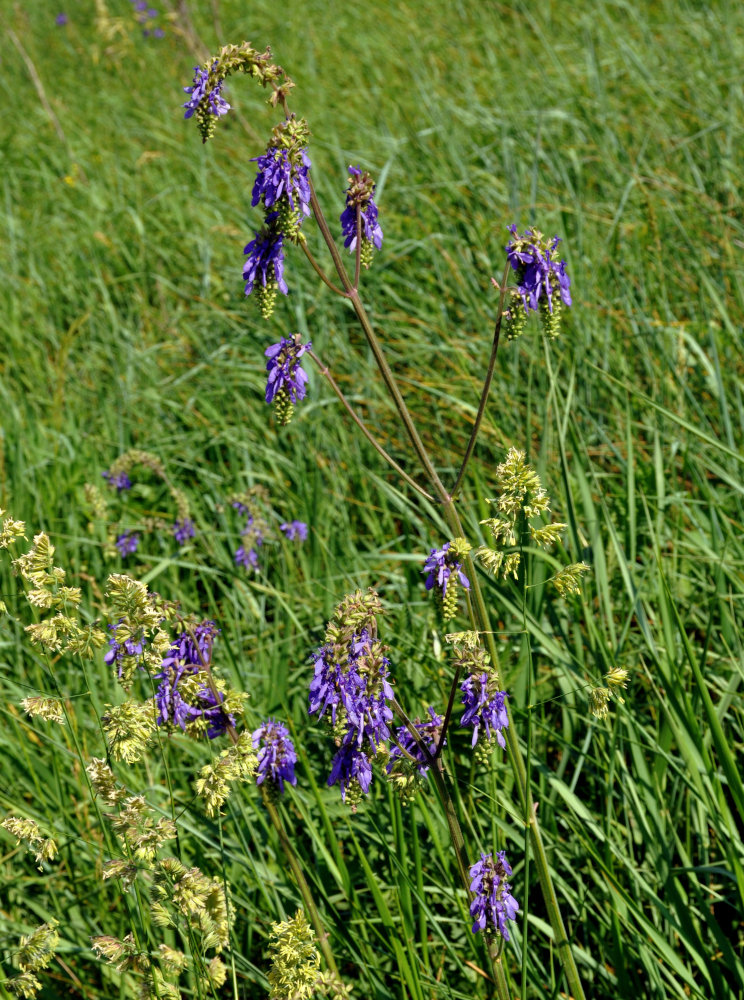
{"type": "Point", "coordinates": [277, 756]}
{"type": "Point", "coordinates": [294, 530]}
{"type": "Point", "coordinates": [493, 904]}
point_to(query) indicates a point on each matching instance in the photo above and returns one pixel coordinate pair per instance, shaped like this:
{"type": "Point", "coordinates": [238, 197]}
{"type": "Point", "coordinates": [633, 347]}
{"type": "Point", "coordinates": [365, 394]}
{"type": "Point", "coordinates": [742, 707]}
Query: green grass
{"type": "Point", "coordinates": [618, 126]}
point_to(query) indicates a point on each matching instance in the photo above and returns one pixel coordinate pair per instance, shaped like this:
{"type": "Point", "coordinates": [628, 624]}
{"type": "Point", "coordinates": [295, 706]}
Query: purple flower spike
{"type": "Point", "coordinates": [246, 557]}
{"type": "Point", "coordinates": [184, 530]}
{"type": "Point", "coordinates": [539, 274]}
{"type": "Point", "coordinates": [484, 709]}
{"type": "Point", "coordinates": [61, 20]}
{"type": "Point", "coordinates": [119, 482]}
{"type": "Point", "coordinates": [277, 756]}
{"type": "Point", "coordinates": [294, 530]}
{"type": "Point", "coordinates": [360, 192]}
{"type": "Point", "coordinates": [350, 764]}
{"type": "Point", "coordinates": [284, 369]}
{"type": "Point", "coordinates": [493, 904]}
{"type": "Point", "coordinates": [277, 178]}
{"type": "Point", "coordinates": [127, 543]}
{"type": "Point", "coordinates": [429, 731]}
{"type": "Point", "coordinates": [440, 566]}
{"type": "Point", "coordinates": [265, 261]}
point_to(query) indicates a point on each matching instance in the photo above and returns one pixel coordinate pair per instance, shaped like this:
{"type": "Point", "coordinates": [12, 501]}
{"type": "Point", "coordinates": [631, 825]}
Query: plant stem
{"type": "Point", "coordinates": [319, 270]}
{"type": "Point", "coordinates": [486, 385]}
{"type": "Point", "coordinates": [478, 611]}
{"type": "Point", "coordinates": [364, 429]}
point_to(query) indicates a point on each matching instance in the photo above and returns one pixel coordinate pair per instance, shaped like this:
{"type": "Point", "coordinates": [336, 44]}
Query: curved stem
{"type": "Point", "coordinates": [319, 270]}
{"type": "Point", "coordinates": [364, 429]}
{"type": "Point", "coordinates": [486, 385]}
{"type": "Point", "coordinates": [358, 248]}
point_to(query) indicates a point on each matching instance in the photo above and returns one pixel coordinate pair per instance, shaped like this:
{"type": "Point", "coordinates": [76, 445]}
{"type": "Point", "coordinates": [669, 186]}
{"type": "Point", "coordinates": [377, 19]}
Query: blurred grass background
{"type": "Point", "coordinates": [618, 126]}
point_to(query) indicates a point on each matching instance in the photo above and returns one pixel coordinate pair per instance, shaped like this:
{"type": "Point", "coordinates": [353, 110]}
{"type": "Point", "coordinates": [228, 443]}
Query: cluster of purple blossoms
{"type": "Point", "coordinates": [177, 702]}
{"type": "Point", "coordinates": [119, 481]}
{"type": "Point", "coordinates": [127, 543]}
{"type": "Point", "coordinates": [440, 566]}
{"type": "Point", "coordinates": [246, 555]}
{"type": "Point", "coordinates": [286, 381]}
{"type": "Point", "coordinates": [360, 195]}
{"type": "Point", "coordinates": [357, 691]}
{"type": "Point", "coordinates": [118, 650]}
{"type": "Point", "coordinates": [184, 530]}
{"type": "Point", "coordinates": [493, 904]}
{"type": "Point", "coordinates": [279, 178]}
{"type": "Point", "coordinates": [406, 744]}
{"type": "Point", "coordinates": [265, 262]}
{"type": "Point", "coordinates": [277, 756]}
{"type": "Point", "coordinates": [484, 708]}
{"type": "Point", "coordinates": [61, 20]}
{"type": "Point", "coordinates": [542, 282]}
{"type": "Point", "coordinates": [294, 530]}
{"type": "Point", "coordinates": [205, 101]}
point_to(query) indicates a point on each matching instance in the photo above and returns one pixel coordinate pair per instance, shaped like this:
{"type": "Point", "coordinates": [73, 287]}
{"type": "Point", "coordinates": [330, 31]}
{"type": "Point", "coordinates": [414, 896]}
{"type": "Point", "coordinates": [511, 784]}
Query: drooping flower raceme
{"type": "Point", "coordinates": [183, 530]}
{"type": "Point", "coordinates": [352, 680]}
{"type": "Point", "coordinates": [542, 282]}
{"type": "Point", "coordinates": [485, 709]}
{"type": "Point", "coordinates": [493, 904]}
{"type": "Point", "coordinates": [286, 381]}
{"type": "Point", "coordinates": [278, 178]}
{"type": "Point", "coordinates": [359, 195]}
{"type": "Point", "coordinates": [444, 567]}
{"type": "Point", "coordinates": [187, 695]}
{"type": "Point", "coordinates": [264, 268]}
{"type": "Point", "coordinates": [408, 764]}
{"type": "Point", "coordinates": [119, 481]}
{"type": "Point", "coordinates": [127, 543]}
{"type": "Point", "coordinates": [276, 756]}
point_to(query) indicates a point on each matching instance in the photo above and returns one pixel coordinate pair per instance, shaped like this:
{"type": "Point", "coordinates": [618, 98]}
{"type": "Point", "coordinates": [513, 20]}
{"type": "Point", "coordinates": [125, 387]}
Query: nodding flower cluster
{"type": "Point", "coordinates": [493, 904]}
{"type": "Point", "coordinates": [444, 567]}
{"type": "Point", "coordinates": [188, 696]}
{"type": "Point", "coordinates": [359, 199]}
{"type": "Point", "coordinates": [283, 186]}
{"type": "Point", "coordinates": [542, 282]}
{"type": "Point", "coordinates": [276, 756]}
{"type": "Point", "coordinates": [286, 381]}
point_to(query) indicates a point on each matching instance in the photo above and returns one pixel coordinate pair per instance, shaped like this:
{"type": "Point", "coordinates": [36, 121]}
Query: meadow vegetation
{"type": "Point", "coordinates": [617, 126]}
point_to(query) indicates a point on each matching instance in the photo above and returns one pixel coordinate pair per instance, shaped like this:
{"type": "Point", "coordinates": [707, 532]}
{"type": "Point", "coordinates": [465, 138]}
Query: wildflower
{"type": "Point", "coordinates": [408, 763]}
{"type": "Point", "coordinates": [539, 277]}
{"type": "Point", "coordinates": [294, 530]}
{"type": "Point", "coordinates": [294, 959]}
{"type": "Point", "coordinates": [279, 178]}
{"type": "Point", "coordinates": [264, 267]}
{"type": "Point", "coordinates": [205, 100]}
{"type": "Point", "coordinates": [286, 383]}
{"type": "Point", "coordinates": [48, 709]}
{"type": "Point", "coordinates": [119, 481]}
{"type": "Point", "coordinates": [123, 653]}
{"type": "Point", "coordinates": [444, 567]}
{"type": "Point", "coordinates": [277, 757]}
{"type": "Point", "coordinates": [183, 530]}
{"type": "Point", "coordinates": [127, 543]}
{"type": "Point", "coordinates": [484, 707]}
{"type": "Point", "coordinates": [493, 904]}
{"type": "Point", "coordinates": [599, 699]}
{"type": "Point", "coordinates": [61, 20]}
{"type": "Point", "coordinates": [130, 728]}
{"type": "Point", "coordinates": [359, 195]}
{"type": "Point", "coordinates": [247, 557]}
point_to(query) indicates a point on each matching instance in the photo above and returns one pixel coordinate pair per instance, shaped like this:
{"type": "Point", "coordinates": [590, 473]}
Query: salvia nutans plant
{"type": "Point", "coordinates": [162, 657]}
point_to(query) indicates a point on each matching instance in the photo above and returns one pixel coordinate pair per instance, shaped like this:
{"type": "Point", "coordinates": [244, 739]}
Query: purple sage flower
{"type": "Point", "coordinates": [277, 178]}
{"type": "Point", "coordinates": [246, 557]}
{"type": "Point", "coordinates": [493, 904]}
{"type": "Point", "coordinates": [350, 764]}
{"type": "Point", "coordinates": [118, 650]}
{"type": "Point", "coordinates": [184, 530]}
{"type": "Point", "coordinates": [440, 566]}
{"type": "Point", "coordinates": [360, 192]}
{"type": "Point", "coordinates": [187, 656]}
{"type": "Point", "coordinates": [277, 756]}
{"type": "Point", "coordinates": [539, 274]}
{"type": "Point", "coordinates": [120, 481]}
{"type": "Point", "coordinates": [61, 20]}
{"type": "Point", "coordinates": [209, 101]}
{"type": "Point", "coordinates": [127, 543]}
{"type": "Point", "coordinates": [484, 708]}
{"type": "Point", "coordinates": [284, 369]}
{"type": "Point", "coordinates": [294, 530]}
{"type": "Point", "coordinates": [265, 262]}
{"type": "Point", "coordinates": [429, 731]}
